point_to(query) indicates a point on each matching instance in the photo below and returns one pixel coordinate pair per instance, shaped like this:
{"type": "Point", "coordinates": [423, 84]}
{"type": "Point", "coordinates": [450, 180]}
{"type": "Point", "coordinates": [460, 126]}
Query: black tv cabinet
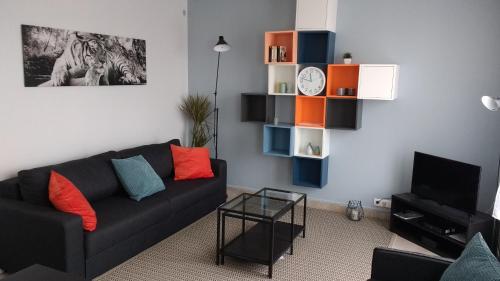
{"type": "Point", "coordinates": [419, 232]}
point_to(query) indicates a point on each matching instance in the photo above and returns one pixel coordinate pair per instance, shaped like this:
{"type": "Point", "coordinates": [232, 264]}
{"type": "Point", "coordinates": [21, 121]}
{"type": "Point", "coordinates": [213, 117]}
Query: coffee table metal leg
{"type": "Point", "coordinates": [271, 251]}
{"type": "Point", "coordinates": [292, 221]}
{"type": "Point", "coordinates": [217, 259]}
{"type": "Point", "coordinates": [304, 218]}
{"type": "Point", "coordinates": [223, 238]}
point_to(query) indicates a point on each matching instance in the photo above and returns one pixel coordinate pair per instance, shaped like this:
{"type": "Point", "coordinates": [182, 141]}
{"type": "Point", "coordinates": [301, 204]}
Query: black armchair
{"type": "Point", "coordinates": [395, 265]}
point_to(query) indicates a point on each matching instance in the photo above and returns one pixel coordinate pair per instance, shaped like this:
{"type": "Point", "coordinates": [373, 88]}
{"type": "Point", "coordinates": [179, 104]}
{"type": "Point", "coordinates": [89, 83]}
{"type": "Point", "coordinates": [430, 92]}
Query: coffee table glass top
{"type": "Point", "coordinates": [256, 205]}
{"type": "Point", "coordinates": [280, 194]}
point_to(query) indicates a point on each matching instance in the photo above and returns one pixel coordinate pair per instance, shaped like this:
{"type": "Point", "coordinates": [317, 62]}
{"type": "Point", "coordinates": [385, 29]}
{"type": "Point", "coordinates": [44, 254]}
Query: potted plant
{"type": "Point", "coordinates": [347, 58]}
{"type": "Point", "coordinates": [198, 109]}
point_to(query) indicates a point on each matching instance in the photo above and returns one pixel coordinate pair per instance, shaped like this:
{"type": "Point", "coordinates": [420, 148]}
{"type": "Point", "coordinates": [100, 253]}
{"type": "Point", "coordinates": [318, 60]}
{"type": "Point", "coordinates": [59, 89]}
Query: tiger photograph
{"type": "Point", "coordinates": [58, 57]}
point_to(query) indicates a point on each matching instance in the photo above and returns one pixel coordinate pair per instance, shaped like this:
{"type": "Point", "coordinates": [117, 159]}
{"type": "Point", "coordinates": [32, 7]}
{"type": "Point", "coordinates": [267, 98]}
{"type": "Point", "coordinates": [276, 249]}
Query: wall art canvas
{"type": "Point", "coordinates": [59, 57]}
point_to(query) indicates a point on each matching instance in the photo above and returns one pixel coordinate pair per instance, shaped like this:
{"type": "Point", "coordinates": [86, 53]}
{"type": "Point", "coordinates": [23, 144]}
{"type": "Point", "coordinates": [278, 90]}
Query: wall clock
{"type": "Point", "coordinates": [311, 81]}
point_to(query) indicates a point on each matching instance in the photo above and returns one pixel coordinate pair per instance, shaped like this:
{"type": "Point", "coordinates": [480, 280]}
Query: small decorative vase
{"type": "Point", "coordinates": [347, 61]}
{"type": "Point", "coordinates": [309, 149]}
{"type": "Point", "coordinates": [283, 88]}
{"type": "Point", "coordinates": [317, 150]}
{"type": "Point", "coordinates": [276, 121]}
{"type": "Point", "coordinates": [354, 210]}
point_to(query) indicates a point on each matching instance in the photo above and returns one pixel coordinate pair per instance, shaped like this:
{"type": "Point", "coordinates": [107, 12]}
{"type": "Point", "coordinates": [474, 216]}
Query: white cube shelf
{"type": "Point", "coordinates": [282, 73]}
{"type": "Point", "coordinates": [316, 15]}
{"type": "Point", "coordinates": [378, 81]}
{"type": "Point", "coordinates": [316, 136]}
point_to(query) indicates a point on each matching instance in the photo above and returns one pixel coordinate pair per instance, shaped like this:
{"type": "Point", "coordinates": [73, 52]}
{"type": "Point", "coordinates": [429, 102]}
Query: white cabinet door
{"type": "Point", "coordinates": [316, 15]}
{"type": "Point", "coordinates": [378, 81]}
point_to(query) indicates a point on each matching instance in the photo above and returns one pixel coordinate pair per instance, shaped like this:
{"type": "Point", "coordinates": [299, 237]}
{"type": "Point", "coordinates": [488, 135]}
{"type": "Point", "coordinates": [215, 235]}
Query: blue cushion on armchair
{"type": "Point", "coordinates": [476, 263]}
{"type": "Point", "coordinates": [138, 177]}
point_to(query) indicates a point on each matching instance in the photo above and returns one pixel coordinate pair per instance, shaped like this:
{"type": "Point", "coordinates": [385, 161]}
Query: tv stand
{"type": "Point", "coordinates": [428, 231]}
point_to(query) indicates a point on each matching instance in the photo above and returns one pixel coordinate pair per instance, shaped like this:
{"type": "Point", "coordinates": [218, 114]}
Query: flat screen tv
{"type": "Point", "coordinates": [448, 182]}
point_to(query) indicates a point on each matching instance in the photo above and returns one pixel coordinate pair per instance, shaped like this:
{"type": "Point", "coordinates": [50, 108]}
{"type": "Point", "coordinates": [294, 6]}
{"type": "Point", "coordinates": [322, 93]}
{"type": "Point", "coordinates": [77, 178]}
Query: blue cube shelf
{"type": "Point", "coordinates": [316, 47]}
{"type": "Point", "coordinates": [310, 172]}
{"type": "Point", "coordinates": [278, 140]}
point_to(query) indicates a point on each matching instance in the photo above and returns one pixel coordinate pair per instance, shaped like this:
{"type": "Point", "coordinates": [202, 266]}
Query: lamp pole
{"type": "Point", "coordinates": [216, 111]}
{"type": "Point", "coordinates": [221, 47]}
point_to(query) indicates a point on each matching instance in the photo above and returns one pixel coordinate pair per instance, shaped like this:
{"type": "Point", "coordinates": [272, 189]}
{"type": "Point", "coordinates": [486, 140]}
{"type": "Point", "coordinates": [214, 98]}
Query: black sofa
{"type": "Point", "coordinates": [395, 265]}
{"type": "Point", "coordinates": [32, 231]}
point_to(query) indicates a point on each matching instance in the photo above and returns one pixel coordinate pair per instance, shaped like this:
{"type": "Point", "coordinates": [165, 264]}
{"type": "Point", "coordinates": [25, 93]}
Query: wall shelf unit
{"type": "Point", "coordinates": [310, 172]}
{"type": "Point", "coordinates": [279, 140]}
{"type": "Point", "coordinates": [278, 73]}
{"type": "Point", "coordinates": [287, 39]}
{"type": "Point", "coordinates": [316, 15]}
{"type": "Point", "coordinates": [378, 81]}
{"type": "Point", "coordinates": [310, 111]}
{"type": "Point", "coordinates": [344, 114]}
{"type": "Point", "coordinates": [257, 107]}
{"type": "Point", "coordinates": [316, 47]}
{"type": "Point", "coordinates": [316, 137]}
{"type": "Point", "coordinates": [342, 76]}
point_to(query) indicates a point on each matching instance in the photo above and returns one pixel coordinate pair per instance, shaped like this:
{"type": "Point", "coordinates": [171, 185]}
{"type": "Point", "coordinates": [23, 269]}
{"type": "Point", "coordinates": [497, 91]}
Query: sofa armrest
{"type": "Point", "coordinates": [33, 234]}
{"type": "Point", "coordinates": [395, 265]}
{"type": "Point", "coordinates": [219, 167]}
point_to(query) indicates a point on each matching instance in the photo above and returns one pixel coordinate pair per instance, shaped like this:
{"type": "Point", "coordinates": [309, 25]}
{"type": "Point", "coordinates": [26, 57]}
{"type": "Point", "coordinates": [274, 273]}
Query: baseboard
{"type": "Point", "coordinates": [233, 191]}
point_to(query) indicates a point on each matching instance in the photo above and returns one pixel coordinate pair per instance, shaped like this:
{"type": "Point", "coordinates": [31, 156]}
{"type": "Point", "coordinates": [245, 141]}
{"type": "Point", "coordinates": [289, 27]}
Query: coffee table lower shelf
{"type": "Point", "coordinates": [253, 245]}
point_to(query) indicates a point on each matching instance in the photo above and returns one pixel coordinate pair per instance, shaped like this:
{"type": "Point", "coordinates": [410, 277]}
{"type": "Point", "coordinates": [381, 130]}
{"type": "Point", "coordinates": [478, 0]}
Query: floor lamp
{"type": "Point", "coordinates": [221, 47]}
{"type": "Point", "coordinates": [493, 104]}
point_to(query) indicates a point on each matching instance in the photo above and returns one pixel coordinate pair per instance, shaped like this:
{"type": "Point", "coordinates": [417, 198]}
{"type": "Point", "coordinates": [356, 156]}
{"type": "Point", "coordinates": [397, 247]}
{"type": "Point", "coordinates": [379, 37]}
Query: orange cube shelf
{"type": "Point", "coordinates": [342, 76]}
{"type": "Point", "coordinates": [310, 111]}
{"type": "Point", "coordinates": [288, 39]}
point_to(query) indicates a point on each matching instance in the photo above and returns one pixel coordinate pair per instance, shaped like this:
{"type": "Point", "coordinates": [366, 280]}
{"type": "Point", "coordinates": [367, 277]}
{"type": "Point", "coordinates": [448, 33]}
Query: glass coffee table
{"type": "Point", "coordinates": [267, 240]}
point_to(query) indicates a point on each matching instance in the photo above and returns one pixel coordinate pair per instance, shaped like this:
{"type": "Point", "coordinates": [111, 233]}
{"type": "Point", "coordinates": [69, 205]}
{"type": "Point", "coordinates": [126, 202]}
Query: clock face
{"type": "Point", "coordinates": [311, 81]}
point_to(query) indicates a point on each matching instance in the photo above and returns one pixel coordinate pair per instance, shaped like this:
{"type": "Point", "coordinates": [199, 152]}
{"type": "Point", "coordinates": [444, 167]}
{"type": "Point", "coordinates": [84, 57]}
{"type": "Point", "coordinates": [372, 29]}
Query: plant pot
{"type": "Point", "coordinates": [347, 61]}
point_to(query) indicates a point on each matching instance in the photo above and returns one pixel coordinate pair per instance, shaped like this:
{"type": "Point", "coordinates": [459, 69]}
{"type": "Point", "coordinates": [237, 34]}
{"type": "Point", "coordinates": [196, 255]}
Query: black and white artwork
{"type": "Point", "coordinates": [60, 57]}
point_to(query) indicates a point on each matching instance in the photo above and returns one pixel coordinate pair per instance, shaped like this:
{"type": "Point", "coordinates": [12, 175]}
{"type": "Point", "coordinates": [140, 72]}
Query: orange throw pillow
{"type": "Point", "coordinates": [191, 163]}
{"type": "Point", "coordinates": [66, 197]}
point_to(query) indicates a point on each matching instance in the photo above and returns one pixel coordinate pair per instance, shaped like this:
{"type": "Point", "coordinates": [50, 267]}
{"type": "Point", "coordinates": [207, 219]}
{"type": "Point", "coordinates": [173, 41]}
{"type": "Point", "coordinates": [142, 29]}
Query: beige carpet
{"type": "Point", "coordinates": [334, 249]}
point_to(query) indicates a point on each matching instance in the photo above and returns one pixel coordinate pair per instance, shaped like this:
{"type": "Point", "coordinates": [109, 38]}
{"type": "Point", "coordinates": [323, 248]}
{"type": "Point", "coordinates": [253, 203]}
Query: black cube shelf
{"type": "Point", "coordinates": [344, 114]}
{"type": "Point", "coordinates": [316, 47]}
{"type": "Point", "coordinates": [257, 107]}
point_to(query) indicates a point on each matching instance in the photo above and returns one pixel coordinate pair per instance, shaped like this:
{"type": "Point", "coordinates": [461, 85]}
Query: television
{"type": "Point", "coordinates": [447, 182]}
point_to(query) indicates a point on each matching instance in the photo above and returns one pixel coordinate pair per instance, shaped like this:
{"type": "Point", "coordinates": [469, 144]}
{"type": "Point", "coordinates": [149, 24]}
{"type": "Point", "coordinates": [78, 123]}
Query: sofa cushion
{"type": "Point", "coordinates": [120, 217]}
{"type": "Point", "coordinates": [66, 197]}
{"type": "Point", "coordinates": [157, 155]}
{"type": "Point", "coordinates": [94, 176]}
{"type": "Point", "coordinates": [191, 163]}
{"type": "Point", "coordinates": [183, 194]}
{"type": "Point", "coordinates": [476, 263]}
{"type": "Point", "coordinates": [10, 189]}
{"type": "Point", "coordinates": [137, 177]}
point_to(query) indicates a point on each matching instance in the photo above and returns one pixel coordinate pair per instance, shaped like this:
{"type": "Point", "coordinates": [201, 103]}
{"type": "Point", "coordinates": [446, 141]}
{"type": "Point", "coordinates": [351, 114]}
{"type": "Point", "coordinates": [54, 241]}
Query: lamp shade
{"type": "Point", "coordinates": [491, 103]}
{"type": "Point", "coordinates": [222, 46]}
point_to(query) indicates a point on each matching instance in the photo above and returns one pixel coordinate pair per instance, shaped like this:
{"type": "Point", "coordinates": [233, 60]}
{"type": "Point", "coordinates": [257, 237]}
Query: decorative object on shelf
{"type": "Point", "coordinates": [221, 47]}
{"type": "Point", "coordinates": [311, 81]}
{"type": "Point", "coordinates": [354, 210]}
{"type": "Point", "coordinates": [347, 58]}
{"type": "Point", "coordinates": [491, 103]}
{"type": "Point", "coordinates": [283, 87]}
{"type": "Point", "coordinates": [350, 92]}
{"type": "Point", "coordinates": [277, 54]}
{"type": "Point", "coordinates": [317, 150]}
{"type": "Point", "coordinates": [59, 57]}
{"type": "Point", "coordinates": [276, 120]}
{"type": "Point", "coordinates": [309, 149]}
{"type": "Point", "coordinates": [341, 92]}
{"type": "Point", "coordinates": [198, 109]}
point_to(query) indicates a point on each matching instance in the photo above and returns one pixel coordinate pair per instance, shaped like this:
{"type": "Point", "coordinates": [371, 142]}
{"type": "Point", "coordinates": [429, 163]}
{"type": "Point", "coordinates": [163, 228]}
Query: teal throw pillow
{"type": "Point", "coordinates": [476, 263]}
{"type": "Point", "coordinates": [137, 177]}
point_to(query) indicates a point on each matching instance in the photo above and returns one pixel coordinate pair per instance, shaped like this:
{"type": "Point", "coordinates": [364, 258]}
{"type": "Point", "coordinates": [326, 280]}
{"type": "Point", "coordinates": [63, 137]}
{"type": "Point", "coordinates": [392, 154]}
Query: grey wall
{"type": "Point", "coordinates": [449, 56]}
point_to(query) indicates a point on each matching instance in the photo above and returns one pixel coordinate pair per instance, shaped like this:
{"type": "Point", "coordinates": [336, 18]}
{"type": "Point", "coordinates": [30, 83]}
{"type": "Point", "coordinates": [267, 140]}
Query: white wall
{"type": "Point", "coordinates": [40, 126]}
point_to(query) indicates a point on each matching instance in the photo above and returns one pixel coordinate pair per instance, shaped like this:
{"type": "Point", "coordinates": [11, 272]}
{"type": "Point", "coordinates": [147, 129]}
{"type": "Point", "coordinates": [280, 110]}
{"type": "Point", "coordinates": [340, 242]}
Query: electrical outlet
{"type": "Point", "coordinates": [382, 202]}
